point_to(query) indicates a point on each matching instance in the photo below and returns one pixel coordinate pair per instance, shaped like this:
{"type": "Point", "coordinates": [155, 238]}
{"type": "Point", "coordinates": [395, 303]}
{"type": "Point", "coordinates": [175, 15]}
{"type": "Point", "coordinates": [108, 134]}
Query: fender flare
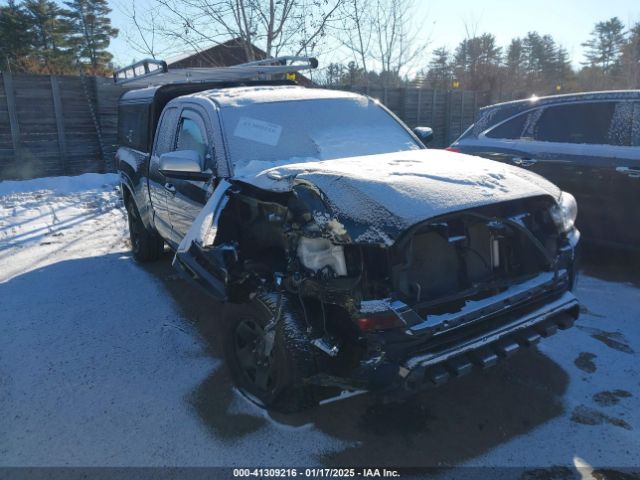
{"type": "Point", "coordinates": [128, 192]}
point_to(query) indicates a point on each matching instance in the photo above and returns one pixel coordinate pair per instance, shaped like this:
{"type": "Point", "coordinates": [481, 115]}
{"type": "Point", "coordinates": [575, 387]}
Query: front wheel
{"type": "Point", "coordinates": [146, 246]}
{"type": "Point", "coordinates": [268, 353]}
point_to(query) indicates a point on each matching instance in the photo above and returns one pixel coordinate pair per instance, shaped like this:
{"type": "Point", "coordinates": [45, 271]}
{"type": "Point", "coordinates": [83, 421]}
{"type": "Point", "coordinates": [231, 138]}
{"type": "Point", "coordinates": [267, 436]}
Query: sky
{"type": "Point", "coordinates": [445, 22]}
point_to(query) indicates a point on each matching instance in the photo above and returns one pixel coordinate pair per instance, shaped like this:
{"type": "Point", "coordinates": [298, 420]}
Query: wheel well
{"type": "Point", "coordinates": [126, 194]}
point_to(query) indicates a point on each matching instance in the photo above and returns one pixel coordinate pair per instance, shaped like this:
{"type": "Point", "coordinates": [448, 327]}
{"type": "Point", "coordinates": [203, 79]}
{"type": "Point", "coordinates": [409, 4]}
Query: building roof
{"type": "Point", "coordinates": [231, 52]}
{"type": "Point", "coordinates": [227, 54]}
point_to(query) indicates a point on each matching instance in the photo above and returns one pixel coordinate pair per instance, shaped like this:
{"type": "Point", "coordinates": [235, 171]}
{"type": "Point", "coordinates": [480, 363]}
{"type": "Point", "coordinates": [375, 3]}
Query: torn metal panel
{"type": "Point", "coordinates": [204, 229]}
{"type": "Point", "coordinates": [208, 271]}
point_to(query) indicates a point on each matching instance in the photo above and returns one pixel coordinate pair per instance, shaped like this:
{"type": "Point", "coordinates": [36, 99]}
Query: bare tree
{"type": "Point", "coordinates": [143, 33]}
{"type": "Point", "coordinates": [276, 26]}
{"type": "Point", "coordinates": [356, 30]}
{"type": "Point", "coordinates": [397, 39]}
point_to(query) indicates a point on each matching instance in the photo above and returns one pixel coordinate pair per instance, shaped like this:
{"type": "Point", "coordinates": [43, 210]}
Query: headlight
{"type": "Point", "coordinates": [318, 253]}
{"type": "Point", "coordinates": [565, 212]}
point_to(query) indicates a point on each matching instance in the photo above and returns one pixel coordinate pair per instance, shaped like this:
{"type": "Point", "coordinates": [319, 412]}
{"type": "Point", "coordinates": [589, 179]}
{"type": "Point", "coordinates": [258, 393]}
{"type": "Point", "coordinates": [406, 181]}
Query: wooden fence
{"type": "Point", "coordinates": [447, 112]}
{"type": "Point", "coordinates": [66, 125]}
{"type": "Point", "coordinates": [56, 125]}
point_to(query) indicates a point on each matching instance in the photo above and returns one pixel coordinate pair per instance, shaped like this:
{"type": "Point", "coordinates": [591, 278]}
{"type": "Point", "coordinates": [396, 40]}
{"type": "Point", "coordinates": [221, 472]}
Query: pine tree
{"type": "Point", "coordinates": [515, 58]}
{"type": "Point", "coordinates": [548, 58]}
{"type": "Point", "coordinates": [605, 45]}
{"type": "Point", "coordinates": [49, 36]}
{"type": "Point", "coordinates": [334, 74]}
{"type": "Point", "coordinates": [15, 38]}
{"type": "Point", "coordinates": [630, 58]}
{"type": "Point", "coordinates": [515, 67]}
{"type": "Point", "coordinates": [91, 32]}
{"type": "Point", "coordinates": [440, 72]}
{"type": "Point", "coordinates": [563, 72]}
{"type": "Point", "coordinates": [536, 54]}
{"type": "Point", "coordinates": [476, 62]}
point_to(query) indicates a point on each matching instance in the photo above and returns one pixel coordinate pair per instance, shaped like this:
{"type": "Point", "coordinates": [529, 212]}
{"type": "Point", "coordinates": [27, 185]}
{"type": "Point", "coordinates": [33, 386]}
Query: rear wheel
{"type": "Point", "coordinates": [268, 353]}
{"type": "Point", "coordinates": [146, 246]}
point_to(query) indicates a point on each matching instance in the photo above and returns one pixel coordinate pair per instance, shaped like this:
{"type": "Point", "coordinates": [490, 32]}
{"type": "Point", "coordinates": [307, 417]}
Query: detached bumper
{"type": "Point", "coordinates": [435, 368]}
{"type": "Point", "coordinates": [438, 348]}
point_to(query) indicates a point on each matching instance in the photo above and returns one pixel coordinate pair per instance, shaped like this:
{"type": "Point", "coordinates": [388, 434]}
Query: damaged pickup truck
{"type": "Point", "coordinates": [345, 253]}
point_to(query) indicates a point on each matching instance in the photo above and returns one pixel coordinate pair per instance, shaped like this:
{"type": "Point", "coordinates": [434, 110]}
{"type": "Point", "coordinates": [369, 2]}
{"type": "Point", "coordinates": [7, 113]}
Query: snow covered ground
{"type": "Point", "coordinates": [107, 363]}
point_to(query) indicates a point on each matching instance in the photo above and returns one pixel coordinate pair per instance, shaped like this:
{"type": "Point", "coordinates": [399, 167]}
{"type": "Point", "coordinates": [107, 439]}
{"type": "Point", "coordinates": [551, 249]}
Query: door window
{"type": "Point", "coordinates": [166, 131]}
{"type": "Point", "coordinates": [511, 129]}
{"type": "Point", "coordinates": [520, 127]}
{"type": "Point", "coordinates": [191, 137]}
{"type": "Point", "coordinates": [621, 124]}
{"type": "Point", "coordinates": [601, 123]}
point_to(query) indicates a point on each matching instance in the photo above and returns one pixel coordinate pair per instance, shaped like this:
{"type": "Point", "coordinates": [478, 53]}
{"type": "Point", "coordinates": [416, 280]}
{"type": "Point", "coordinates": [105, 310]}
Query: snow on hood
{"type": "Point", "coordinates": [403, 188]}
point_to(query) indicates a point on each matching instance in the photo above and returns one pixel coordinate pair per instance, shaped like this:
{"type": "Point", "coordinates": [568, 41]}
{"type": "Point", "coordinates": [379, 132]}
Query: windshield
{"type": "Point", "coordinates": [322, 129]}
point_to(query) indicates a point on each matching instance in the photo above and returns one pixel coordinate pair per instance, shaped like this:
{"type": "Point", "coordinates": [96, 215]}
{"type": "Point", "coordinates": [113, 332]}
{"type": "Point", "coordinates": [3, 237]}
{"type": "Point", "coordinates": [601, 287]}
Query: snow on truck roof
{"type": "Point", "coordinates": [237, 96]}
{"type": "Point", "coordinates": [229, 96]}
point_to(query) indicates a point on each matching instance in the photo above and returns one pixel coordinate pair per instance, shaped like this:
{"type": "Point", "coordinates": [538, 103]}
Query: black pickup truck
{"type": "Point", "coordinates": [345, 254]}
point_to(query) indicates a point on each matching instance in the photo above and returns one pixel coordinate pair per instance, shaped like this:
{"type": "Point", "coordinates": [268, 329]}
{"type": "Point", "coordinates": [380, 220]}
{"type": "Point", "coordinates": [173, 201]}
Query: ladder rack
{"type": "Point", "coordinates": [150, 72]}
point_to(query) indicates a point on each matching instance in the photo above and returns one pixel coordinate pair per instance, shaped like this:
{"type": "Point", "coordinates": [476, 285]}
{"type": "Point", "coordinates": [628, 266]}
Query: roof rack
{"type": "Point", "coordinates": [150, 72]}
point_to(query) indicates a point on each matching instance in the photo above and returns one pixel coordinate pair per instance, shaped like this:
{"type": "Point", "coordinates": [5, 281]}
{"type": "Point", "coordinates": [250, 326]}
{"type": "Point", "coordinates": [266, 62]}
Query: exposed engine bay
{"type": "Point", "coordinates": [372, 307]}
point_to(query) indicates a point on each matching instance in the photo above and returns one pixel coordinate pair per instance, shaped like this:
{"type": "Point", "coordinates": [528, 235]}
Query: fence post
{"type": "Point", "coordinates": [13, 116]}
{"type": "Point", "coordinates": [434, 96]}
{"type": "Point", "coordinates": [461, 112]}
{"type": "Point", "coordinates": [475, 105]}
{"type": "Point", "coordinates": [57, 110]}
{"type": "Point", "coordinates": [402, 108]}
{"type": "Point", "coordinates": [447, 118]}
{"type": "Point", "coordinates": [418, 112]}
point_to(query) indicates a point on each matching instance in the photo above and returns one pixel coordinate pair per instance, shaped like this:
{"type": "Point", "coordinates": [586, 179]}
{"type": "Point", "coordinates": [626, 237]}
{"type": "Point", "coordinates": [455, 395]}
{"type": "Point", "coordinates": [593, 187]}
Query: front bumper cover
{"type": "Point", "coordinates": [477, 336]}
{"type": "Point", "coordinates": [435, 368]}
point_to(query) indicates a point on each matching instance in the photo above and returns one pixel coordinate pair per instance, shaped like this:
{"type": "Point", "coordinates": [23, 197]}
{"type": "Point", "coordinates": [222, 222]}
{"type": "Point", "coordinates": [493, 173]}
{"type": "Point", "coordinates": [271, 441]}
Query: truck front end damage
{"type": "Point", "coordinates": [398, 309]}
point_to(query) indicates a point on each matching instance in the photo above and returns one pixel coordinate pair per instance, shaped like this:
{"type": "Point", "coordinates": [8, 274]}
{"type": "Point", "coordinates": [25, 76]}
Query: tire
{"type": "Point", "coordinates": [146, 246]}
{"type": "Point", "coordinates": [279, 383]}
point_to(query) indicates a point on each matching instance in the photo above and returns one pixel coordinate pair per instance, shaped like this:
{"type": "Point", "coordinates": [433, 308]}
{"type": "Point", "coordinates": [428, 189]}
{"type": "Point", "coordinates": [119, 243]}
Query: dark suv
{"type": "Point", "coordinates": [587, 144]}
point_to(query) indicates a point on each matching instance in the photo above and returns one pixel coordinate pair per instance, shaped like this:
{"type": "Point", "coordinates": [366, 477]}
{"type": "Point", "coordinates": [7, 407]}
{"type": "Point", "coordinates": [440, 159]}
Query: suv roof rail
{"type": "Point", "coordinates": [150, 72]}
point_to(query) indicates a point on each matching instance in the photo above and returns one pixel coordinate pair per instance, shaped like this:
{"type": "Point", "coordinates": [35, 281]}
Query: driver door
{"type": "Point", "coordinates": [186, 197]}
{"type": "Point", "coordinates": [164, 142]}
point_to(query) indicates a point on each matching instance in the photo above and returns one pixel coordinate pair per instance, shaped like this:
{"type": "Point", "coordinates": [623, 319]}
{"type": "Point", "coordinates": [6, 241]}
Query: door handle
{"type": "Point", "coordinates": [523, 162]}
{"type": "Point", "coordinates": [629, 172]}
{"type": "Point", "coordinates": [169, 187]}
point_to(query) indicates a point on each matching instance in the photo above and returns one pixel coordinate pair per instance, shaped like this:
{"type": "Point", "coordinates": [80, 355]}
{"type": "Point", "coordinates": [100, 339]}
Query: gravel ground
{"type": "Point", "coordinates": [107, 363]}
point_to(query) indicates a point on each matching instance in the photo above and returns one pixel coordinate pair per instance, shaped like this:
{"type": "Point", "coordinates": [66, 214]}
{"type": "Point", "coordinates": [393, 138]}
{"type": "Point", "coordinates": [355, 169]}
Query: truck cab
{"type": "Point", "coordinates": [161, 120]}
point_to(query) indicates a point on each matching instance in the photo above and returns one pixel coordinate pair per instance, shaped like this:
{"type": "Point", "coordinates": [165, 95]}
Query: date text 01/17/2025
{"type": "Point", "coordinates": [315, 472]}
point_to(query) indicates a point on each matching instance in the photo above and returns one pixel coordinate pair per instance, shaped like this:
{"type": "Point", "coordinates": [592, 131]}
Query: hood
{"type": "Point", "coordinates": [376, 197]}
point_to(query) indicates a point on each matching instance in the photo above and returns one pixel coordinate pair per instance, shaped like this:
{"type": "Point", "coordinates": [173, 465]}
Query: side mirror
{"type": "Point", "coordinates": [183, 164]}
{"type": "Point", "coordinates": [425, 134]}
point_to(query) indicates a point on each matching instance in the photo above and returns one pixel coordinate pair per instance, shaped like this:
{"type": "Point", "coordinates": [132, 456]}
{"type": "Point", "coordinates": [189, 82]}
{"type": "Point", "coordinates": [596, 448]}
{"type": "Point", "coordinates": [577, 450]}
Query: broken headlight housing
{"type": "Point", "coordinates": [319, 253]}
{"type": "Point", "coordinates": [564, 213]}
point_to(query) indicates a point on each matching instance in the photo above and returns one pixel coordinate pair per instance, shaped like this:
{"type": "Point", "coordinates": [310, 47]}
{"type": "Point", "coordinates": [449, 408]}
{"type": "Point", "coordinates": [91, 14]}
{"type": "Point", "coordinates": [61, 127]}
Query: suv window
{"type": "Point", "coordinates": [601, 123]}
{"type": "Point", "coordinates": [621, 124]}
{"type": "Point", "coordinates": [635, 125]}
{"type": "Point", "coordinates": [511, 129]}
{"type": "Point", "coordinates": [191, 137]}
